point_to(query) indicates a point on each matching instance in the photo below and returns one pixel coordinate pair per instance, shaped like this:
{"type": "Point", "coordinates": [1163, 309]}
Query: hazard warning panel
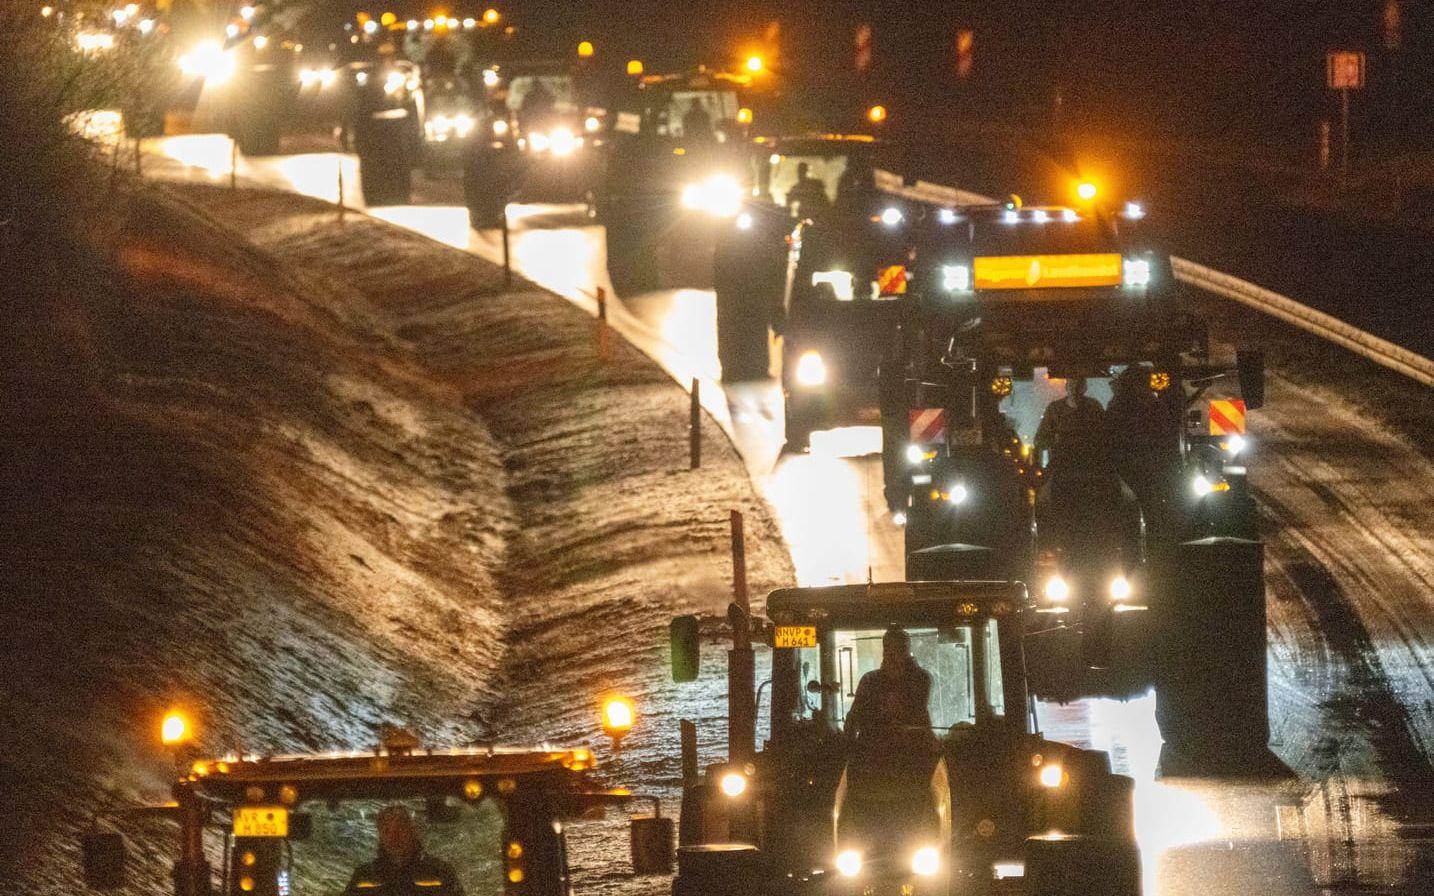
{"type": "Point", "coordinates": [1227, 417]}
{"type": "Point", "coordinates": [928, 426]}
{"type": "Point", "coordinates": [891, 281]}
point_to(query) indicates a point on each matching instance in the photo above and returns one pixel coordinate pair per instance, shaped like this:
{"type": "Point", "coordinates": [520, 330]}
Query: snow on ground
{"type": "Point", "coordinates": [326, 478]}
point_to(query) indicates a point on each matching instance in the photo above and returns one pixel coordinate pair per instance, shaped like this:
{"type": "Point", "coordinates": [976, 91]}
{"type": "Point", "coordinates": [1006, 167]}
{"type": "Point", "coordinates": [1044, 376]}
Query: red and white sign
{"type": "Point", "coordinates": [928, 426]}
{"type": "Point", "coordinates": [1344, 69]}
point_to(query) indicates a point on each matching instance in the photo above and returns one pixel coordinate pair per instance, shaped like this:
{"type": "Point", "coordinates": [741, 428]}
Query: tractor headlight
{"type": "Point", "coordinates": [1057, 590]}
{"type": "Point", "coordinates": [840, 282]}
{"type": "Point", "coordinates": [538, 141]}
{"type": "Point", "coordinates": [718, 195]}
{"type": "Point", "coordinates": [957, 493]}
{"type": "Point", "coordinates": [891, 216]}
{"type": "Point", "coordinates": [1137, 272]}
{"type": "Point", "coordinates": [317, 77]}
{"type": "Point", "coordinates": [955, 277]}
{"type": "Point", "coordinates": [733, 784]}
{"type": "Point", "coordinates": [1234, 444]}
{"type": "Point", "coordinates": [915, 454]}
{"type": "Point", "coordinates": [811, 370]}
{"type": "Point", "coordinates": [563, 142]}
{"type": "Point", "coordinates": [1052, 775]}
{"type": "Point", "coordinates": [500, 127]}
{"type": "Point", "coordinates": [744, 221]}
{"type": "Point", "coordinates": [1120, 588]}
{"type": "Point", "coordinates": [925, 862]}
{"type": "Point", "coordinates": [210, 61]}
{"type": "Point", "coordinates": [848, 863]}
{"type": "Point", "coordinates": [394, 82]}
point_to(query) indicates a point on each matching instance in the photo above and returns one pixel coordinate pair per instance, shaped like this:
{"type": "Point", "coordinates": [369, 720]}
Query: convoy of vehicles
{"type": "Point", "coordinates": [963, 801]}
{"type": "Point", "coordinates": [960, 329]}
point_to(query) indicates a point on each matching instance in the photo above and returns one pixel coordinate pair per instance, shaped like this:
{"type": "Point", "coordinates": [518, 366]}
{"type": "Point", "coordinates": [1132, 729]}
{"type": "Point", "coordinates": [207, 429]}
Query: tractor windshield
{"type": "Point", "coordinates": [363, 846]}
{"type": "Point", "coordinates": [963, 662]}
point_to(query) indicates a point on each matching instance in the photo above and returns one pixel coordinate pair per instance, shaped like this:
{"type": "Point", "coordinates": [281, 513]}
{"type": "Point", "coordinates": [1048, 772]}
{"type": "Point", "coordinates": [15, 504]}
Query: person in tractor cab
{"type": "Point", "coordinates": [1080, 480]}
{"type": "Point", "coordinates": [696, 122]}
{"type": "Point", "coordinates": [892, 699]}
{"type": "Point", "coordinates": [402, 867]}
{"type": "Point", "coordinates": [808, 197]}
{"type": "Point", "coordinates": [1142, 438]}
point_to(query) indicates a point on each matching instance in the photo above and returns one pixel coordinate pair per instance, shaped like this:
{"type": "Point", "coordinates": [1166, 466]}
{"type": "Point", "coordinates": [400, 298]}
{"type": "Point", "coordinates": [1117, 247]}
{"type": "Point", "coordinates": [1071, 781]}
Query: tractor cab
{"type": "Point", "coordinates": [398, 818]}
{"type": "Point", "coordinates": [902, 754]}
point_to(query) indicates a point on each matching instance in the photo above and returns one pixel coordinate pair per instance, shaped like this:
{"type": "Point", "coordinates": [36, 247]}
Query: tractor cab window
{"type": "Point", "coordinates": [451, 847]}
{"type": "Point", "coordinates": [696, 115]}
{"type": "Point", "coordinates": [800, 182]}
{"type": "Point", "coordinates": [832, 672]}
{"type": "Point", "coordinates": [542, 95]}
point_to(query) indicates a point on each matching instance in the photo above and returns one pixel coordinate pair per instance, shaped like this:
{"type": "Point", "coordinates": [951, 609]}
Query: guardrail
{"type": "Point", "coordinates": [1366, 345]}
{"type": "Point", "coordinates": [1380, 351]}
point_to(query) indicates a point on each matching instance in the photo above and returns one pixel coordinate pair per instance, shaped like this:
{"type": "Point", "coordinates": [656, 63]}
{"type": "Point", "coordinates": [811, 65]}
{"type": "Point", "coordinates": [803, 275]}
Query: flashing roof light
{"type": "Point", "coordinates": [876, 114]}
{"type": "Point", "coordinates": [634, 66]}
{"type": "Point", "coordinates": [490, 16]}
{"type": "Point", "coordinates": [1086, 190]}
{"type": "Point", "coordinates": [744, 115]}
{"type": "Point", "coordinates": [618, 716]}
{"type": "Point", "coordinates": [585, 49]}
{"type": "Point", "coordinates": [755, 64]}
{"type": "Point", "coordinates": [174, 730]}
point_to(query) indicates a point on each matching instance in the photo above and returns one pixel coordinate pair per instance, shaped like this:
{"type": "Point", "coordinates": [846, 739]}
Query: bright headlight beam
{"type": "Point", "coordinates": [955, 277]}
{"type": "Point", "coordinates": [839, 281]}
{"type": "Point", "coordinates": [811, 369]}
{"type": "Point", "coordinates": [925, 862]}
{"type": "Point", "coordinates": [563, 142]}
{"type": "Point", "coordinates": [1052, 775]}
{"type": "Point", "coordinates": [733, 784]}
{"type": "Point", "coordinates": [1057, 589]}
{"type": "Point", "coordinates": [915, 454]}
{"type": "Point", "coordinates": [1137, 272]}
{"type": "Point", "coordinates": [1120, 588]}
{"type": "Point", "coordinates": [957, 493]}
{"type": "Point", "coordinates": [891, 216]}
{"type": "Point", "coordinates": [848, 863]}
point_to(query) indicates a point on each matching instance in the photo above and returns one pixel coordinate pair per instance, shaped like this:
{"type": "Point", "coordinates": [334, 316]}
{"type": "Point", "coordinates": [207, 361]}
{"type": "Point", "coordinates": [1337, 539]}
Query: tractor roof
{"type": "Point", "coordinates": [384, 774]}
{"type": "Point", "coordinates": [898, 602]}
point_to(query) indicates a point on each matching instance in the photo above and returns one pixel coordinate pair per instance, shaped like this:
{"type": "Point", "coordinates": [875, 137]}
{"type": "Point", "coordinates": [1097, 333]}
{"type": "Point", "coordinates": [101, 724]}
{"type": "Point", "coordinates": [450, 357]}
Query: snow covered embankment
{"type": "Point", "coordinates": [359, 485]}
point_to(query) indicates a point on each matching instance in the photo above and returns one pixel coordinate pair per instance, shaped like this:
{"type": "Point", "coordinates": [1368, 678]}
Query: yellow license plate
{"type": "Point", "coordinates": [261, 821]}
{"type": "Point", "coordinates": [795, 636]}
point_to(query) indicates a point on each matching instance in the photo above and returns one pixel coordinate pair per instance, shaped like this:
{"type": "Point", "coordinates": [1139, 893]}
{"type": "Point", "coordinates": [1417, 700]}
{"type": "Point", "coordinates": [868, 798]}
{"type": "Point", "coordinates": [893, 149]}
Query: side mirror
{"type": "Point", "coordinates": [103, 854]}
{"type": "Point", "coordinates": [1250, 365]}
{"type": "Point", "coordinates": [686, 648]}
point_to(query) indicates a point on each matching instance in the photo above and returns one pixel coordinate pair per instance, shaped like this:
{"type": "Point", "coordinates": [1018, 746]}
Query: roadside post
{"type": "Point", "coordinates": [694, 425]}
{"type": "Point", "coordinates": [741, 662]}
{"type": "Point", "coordinates": [138, 156]}
{"type": "Point", "coordinates": [340, 198]}
{"type": "Point", "coordinates": [1344, 71]}
{"type": "Point", "coordinates": [507, 253]}
{"type": "Point", "coordinates": [233, 164]}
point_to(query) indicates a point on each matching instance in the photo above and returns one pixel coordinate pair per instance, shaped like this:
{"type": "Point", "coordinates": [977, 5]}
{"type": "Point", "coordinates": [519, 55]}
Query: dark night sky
{"type": "Point", "coordinates": [1246, 68]}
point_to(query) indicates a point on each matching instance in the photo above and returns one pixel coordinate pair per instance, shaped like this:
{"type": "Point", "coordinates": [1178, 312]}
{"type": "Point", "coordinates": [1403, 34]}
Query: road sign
{"type": "Point", "coordinates": [1344, 70]}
